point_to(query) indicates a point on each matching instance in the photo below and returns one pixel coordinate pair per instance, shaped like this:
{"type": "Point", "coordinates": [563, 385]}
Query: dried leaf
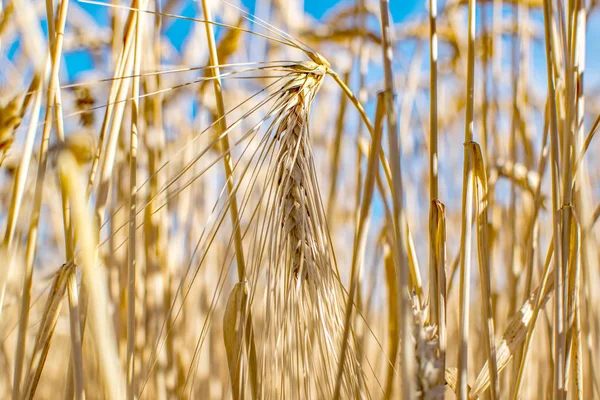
{"type": "Point", "coordinates": [46, 331]}
{"type": "Point", "coordinates": [512, 338]}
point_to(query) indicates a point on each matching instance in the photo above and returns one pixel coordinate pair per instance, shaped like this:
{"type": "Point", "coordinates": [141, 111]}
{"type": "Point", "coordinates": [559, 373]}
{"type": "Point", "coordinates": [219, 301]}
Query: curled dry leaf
{"type": "Point", "coordinates": [233, 334]}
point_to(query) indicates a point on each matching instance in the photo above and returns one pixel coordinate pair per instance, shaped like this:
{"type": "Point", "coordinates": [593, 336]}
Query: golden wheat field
{"type": "Point", "coordinates": [380, 199]}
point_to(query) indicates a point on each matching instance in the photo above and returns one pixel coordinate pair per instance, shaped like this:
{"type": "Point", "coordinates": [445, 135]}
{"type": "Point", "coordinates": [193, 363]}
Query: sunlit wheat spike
{"type": "Point", "coordinates": [305, 304]}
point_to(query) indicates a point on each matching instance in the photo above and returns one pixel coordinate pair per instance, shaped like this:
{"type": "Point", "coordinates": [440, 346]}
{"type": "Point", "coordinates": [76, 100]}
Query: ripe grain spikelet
{"type": "Point", "coordinates": [428, 355]}
{"type": "Point", "coordinates": [10, 119]}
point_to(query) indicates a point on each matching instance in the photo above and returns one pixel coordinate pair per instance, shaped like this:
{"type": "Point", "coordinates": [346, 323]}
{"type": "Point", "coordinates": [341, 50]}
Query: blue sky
{"type": "Point", "coordinates": [399, 8]}
{"type": "Point", "coordinates": [179, 29]}
{"type": "Point", "coordinates": [317, 8]}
